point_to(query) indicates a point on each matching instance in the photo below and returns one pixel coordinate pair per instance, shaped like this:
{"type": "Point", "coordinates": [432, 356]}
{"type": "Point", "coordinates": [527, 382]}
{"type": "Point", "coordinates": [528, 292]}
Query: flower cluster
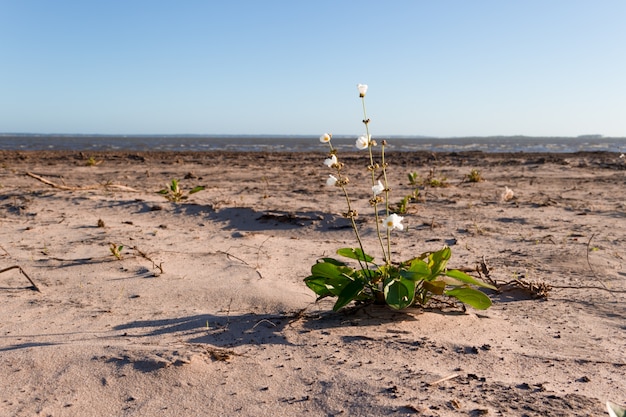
{"type": "Point", "coordinates": [398, 284]}
{"type": "Point", "coordinates": [393, 221]}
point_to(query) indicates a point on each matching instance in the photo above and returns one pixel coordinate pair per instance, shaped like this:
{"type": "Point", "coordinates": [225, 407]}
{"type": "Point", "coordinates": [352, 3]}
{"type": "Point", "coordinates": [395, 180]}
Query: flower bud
{"type": "Point", "coordinates": [362, 89]}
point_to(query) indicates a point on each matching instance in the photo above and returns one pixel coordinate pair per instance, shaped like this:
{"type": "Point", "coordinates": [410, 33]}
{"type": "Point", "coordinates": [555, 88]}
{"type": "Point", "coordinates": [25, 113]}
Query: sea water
{"type": "Point", "coordinates": [260, 143]}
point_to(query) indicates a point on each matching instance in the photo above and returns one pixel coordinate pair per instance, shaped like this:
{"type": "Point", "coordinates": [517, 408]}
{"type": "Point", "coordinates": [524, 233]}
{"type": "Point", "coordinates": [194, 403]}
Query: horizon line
{"type": "Point", "coordinates": [284, 135]}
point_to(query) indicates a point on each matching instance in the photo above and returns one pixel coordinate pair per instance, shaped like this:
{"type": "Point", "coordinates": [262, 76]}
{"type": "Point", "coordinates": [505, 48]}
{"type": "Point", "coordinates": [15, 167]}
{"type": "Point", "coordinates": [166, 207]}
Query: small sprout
{"type": "Point", "coordinates": [92, 161]}
{"type": "Point", "coordinates": [430, 181]}
{"type": "Point", "coordinates": [474, 176]}
{"type": "Point", "coordinates": [116, 250]}
{"type": "Point", "coordinates": [403, 205]}
{"type": "Point", "coordinates": [438, 182]}
{"type": "Point", "coordinates": [174, 193]}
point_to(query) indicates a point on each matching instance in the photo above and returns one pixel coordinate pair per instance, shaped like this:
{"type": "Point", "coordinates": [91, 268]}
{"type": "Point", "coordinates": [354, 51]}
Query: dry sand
{"type": "Point", "coordinates": [207, 314]}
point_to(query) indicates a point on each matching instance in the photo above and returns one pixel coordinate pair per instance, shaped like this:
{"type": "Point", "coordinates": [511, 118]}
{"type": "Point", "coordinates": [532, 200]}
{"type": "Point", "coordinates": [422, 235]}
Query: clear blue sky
{"type": "Point", "coordinates": [440, 68]}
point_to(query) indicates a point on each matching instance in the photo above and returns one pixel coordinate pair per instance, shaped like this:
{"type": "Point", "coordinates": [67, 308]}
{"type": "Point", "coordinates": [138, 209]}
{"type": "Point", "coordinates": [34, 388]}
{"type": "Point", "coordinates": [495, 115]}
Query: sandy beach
{"type": "Point", "coordinates": [204, 311]}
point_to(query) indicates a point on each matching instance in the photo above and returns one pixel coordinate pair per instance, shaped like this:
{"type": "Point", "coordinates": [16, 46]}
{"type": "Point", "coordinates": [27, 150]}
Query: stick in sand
{"type": "Point", "coordinates": [89, 187]}
{"type": "Point", "coordinates": [35, 287]}
{"type": "Point", "coordinates": [445, 378]}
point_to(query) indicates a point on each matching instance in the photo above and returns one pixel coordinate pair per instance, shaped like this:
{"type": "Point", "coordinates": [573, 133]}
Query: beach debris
{"type": "Point", "coordinates": [507, 194]}
{"type": "Point", "coordinates": [290, 218]}
{"type": "Point", "coordinates": [33, 285]}
{"type": "Point", "coordinates": [444, 379]}
{"type": "Point", "coordinates": [532, 288]}
{"type": "Point", "coordinates": [88, 187]}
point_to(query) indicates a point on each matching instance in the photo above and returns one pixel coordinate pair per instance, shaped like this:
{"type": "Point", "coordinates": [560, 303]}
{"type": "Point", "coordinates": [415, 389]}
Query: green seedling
{"type": "Point", "coordinates": [474, 176]}
{"type": "Point", "coordinates": [175, 194]}
{"type": "Point", "coordinates": [116, 250]}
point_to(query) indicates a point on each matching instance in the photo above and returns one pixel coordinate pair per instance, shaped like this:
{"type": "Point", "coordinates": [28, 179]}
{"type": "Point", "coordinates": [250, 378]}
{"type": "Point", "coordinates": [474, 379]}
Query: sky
{"type": "Point", "coordinates": [436, 68]}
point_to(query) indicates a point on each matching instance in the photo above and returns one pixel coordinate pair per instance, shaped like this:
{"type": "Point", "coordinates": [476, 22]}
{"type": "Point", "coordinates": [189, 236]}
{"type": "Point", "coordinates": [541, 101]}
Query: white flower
{"type": "Point", "coordinates": [329, 162]}
{"type": "Point", "coordinates": [362, 142]}
{"type": "Point", "coordinates": [325, 138]}
{"type": "Point", "coordinates": [362, 89]}
{"type": "Point", "coordinates": [332, 180]}
{"type": "Point", "coordinates": [378, 188]}
{"type": "Point", "coordinates": [394, 222]}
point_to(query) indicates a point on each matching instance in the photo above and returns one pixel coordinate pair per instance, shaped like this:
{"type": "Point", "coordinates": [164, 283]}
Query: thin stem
{"type": "Point", "coordinates": [350, 211]}
{"type": "Point", "coordinates": [354, 227]}
{"type": "Point", "coordinates": [384, 167]}
{"type": "Point", "coordinates": [372, 168]}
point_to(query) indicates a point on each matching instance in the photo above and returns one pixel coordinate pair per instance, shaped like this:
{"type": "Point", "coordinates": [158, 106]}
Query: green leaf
{"type": "Point", "coordinates": [399, 293]}
{"type": "Point", "coordinates": [333, 277]}
{"type": "Point", "coordinates": [196, 189]}
{"type": "Point", "coordinates": [435, 287]}
{"type": "Point", "coordinates": [355, 253]}
{"type": "Point", "coordinates": [328, 270]}
{"type": "Point", "coordinates": [418, 271]}
{"type": "Point", "coordinates": [471, 297]}
{"type": "Point", "coordinates": [332, 285]}
{"type": "Point", "coordinates": [463, 277]}
{"type": "Point", "coordinates": [163, 191]}
{"type": "Point", "coordinates": [318, 286]}
{"type": "Point", "coordinates": [332, 261]}
{"type": "Point", "coordinates": [438, 261]}
{"type": "Point", "coordinates": [349, 293]}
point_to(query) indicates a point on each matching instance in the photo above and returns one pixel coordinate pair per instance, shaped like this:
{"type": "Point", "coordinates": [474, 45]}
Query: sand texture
{"type": "Point", "coordinates": [206, 312]}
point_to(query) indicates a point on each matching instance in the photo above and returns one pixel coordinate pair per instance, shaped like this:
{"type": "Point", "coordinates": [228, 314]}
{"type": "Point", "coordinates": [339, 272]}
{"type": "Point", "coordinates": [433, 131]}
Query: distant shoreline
{"type": "Point", "coordinates": [296, 136]}
{"type": "Point", "coordinates": [288, 143]}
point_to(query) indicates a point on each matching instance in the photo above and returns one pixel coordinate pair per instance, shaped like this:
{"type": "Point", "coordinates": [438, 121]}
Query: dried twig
{"type": "Point", "coordinates": [34, 286]}
{"type": "Point", "coordinates": [230, 255]}
{"type": "Point", "coordinates": [146, 257]}
{"type": "Point", "coordinates": [88, 187]}
{"type": "Point", "coordinates": [445, 378]}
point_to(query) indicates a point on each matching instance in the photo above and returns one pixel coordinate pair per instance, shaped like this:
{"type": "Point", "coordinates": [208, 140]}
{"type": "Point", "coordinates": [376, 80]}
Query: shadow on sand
{"type": "Point", "coordinates": [234, 330]}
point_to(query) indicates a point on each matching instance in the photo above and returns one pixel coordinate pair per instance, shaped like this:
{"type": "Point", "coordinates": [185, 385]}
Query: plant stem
{"type": "Point", "coordinates": [372, 168]}
{"type": "Point", "coordinates": [355, 228]}
{"type": "Point", "coordinates": [384, 167]}
{"type": "Point", "coordinates": [350, 211]}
